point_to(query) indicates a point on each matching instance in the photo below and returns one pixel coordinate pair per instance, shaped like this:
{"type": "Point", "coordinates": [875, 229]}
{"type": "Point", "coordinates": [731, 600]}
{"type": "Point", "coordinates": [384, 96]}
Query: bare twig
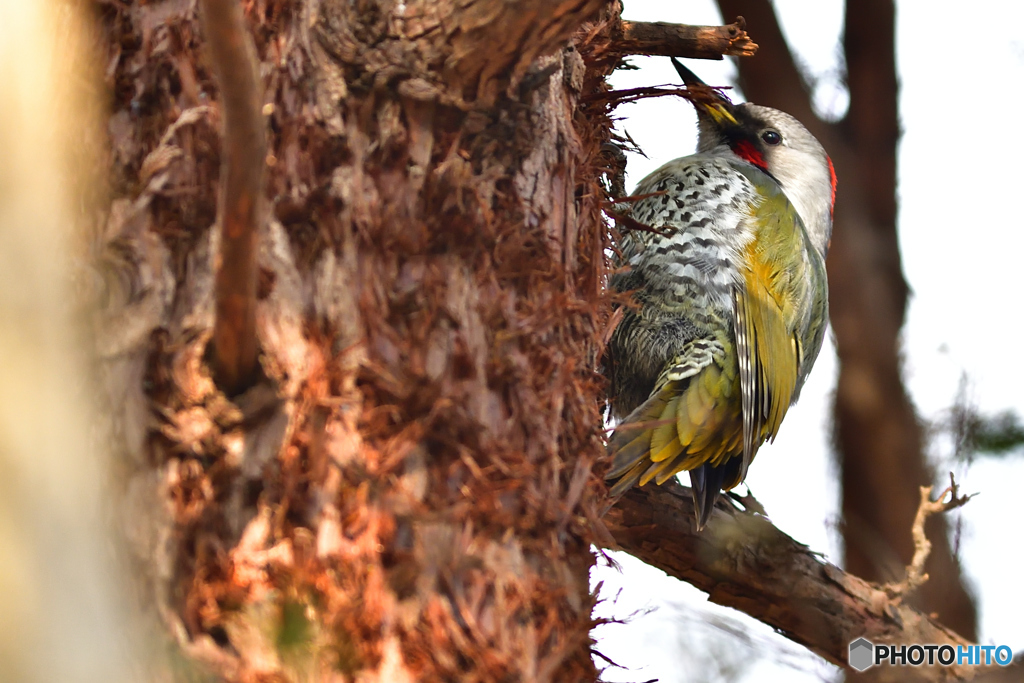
{"type": "Point", "coordinates": [630, 224]}
{"type": "Point", "coordinates": [630, 199]}
{"type": "Point", "coordinates": [613, 98]}
{"type": "Point", "coordinates": [682, 40]}
{"type": "Point", "coordinates": [744, 562]}
{"type": "Point", "coordinates": [693, 93]}
{"type": "Point", "coordinates": [244, 154]}
{"type": "Point", "coordinates": [922, 546]}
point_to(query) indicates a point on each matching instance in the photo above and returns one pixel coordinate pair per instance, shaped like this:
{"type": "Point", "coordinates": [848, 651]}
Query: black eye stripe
{"type": "Point", "coordinates": [771, 137]}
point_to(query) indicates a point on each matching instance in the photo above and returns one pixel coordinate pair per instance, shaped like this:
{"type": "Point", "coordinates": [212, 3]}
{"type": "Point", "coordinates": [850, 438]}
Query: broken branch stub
{"type": "Point", "coordinates": [683, 40]}
{"type": "Point", "coordinates": [916, 576]}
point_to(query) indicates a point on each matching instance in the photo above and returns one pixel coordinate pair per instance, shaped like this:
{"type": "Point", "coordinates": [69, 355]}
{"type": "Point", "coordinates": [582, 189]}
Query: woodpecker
{"type": "Point", "coordinates": [729, 298]}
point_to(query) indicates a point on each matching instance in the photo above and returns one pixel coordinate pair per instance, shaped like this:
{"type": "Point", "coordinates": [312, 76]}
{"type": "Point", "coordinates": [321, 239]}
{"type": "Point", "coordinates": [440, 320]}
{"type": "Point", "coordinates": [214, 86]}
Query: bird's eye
{"type": "Point", "coordinates": [771, 137]}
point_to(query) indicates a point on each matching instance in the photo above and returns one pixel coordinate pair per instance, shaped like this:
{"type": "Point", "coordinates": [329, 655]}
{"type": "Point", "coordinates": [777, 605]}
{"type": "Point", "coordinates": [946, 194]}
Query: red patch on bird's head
{"type": "Point", "coordinates": [746, 150]}
{"type": "Point", "coordinates": [832, 179]}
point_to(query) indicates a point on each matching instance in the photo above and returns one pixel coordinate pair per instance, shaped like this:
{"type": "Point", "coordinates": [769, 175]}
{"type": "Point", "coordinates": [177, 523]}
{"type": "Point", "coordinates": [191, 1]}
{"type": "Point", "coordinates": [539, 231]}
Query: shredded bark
{"type": "Point", "coordinates": [408, 493]}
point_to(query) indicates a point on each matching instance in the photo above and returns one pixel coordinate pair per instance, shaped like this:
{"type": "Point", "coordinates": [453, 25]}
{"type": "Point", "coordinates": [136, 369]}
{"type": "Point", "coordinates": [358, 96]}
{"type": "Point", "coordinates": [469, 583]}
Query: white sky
{"type": "Point", "coordinates": [961, 237]}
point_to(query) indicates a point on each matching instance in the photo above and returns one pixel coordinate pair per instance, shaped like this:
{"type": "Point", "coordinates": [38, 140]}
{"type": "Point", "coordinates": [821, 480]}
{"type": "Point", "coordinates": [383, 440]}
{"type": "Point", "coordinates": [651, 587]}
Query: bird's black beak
{"type": "Point", "coordinates": [708, 102]}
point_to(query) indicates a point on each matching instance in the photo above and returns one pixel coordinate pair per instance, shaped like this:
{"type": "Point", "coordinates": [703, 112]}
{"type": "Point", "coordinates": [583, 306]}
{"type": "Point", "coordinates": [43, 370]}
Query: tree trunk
{"type": "Point", "coordinates": [407, 492]}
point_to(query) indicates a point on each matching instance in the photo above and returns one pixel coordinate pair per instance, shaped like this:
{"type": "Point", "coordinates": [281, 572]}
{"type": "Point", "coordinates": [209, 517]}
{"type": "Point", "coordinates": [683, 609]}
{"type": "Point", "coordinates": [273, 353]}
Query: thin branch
{"type": "Point", "coordinates": [244, 154]}
{"type": "Point", "coordinates": [613, 98]}
{"type": "Point", "coordinates": [922, 546]}
{"type": "Point", "coordinates": [744, 562]}
{"type": "Point", "coordinates": [682, 40]}
{"type": "Point", "coordinates": [693, 93]}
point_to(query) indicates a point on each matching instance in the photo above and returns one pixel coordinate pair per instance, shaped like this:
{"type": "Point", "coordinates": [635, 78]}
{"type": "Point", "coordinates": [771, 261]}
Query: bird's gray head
{"type": "Point", "coordinates": [776, 143]}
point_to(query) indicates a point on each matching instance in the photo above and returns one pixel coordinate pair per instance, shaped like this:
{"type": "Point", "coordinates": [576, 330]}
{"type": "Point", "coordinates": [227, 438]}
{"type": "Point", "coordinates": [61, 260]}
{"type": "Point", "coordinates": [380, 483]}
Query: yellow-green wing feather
{"type": "Point", "coordinates": [770, 307]}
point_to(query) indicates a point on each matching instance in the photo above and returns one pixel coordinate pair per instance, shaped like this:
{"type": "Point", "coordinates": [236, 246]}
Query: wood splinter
{"type": "Point", "coordinates": [682, 40]}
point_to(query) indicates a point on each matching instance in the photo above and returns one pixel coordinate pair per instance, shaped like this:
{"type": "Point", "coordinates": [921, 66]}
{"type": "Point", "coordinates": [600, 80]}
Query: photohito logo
{"type": "Point", "coordinates": [864, 654]}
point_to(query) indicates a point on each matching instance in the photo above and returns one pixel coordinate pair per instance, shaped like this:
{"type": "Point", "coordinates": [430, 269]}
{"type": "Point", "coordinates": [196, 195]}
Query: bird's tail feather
{"type": "Point", "coordinates": [630, 445]}
{"type": "Point", "coordinates": [707, 481]}
{"type": "Point", "coordinates": [680, 427]}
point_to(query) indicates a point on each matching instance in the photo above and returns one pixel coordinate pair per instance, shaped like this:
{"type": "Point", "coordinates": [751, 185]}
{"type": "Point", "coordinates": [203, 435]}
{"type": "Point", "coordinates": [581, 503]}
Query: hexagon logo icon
{"type": "Point", "coordinates": [862, 654]}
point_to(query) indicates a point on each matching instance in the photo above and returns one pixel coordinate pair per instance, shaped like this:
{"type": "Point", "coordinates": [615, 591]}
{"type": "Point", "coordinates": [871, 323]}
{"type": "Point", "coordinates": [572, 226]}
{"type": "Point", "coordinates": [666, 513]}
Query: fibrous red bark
{"type": "Point", "coordinates": [406, 493]}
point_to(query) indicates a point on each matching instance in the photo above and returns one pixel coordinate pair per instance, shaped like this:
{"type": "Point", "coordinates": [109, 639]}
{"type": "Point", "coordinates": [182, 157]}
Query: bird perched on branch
{"type": "Point", "coordinates": [724, 253]}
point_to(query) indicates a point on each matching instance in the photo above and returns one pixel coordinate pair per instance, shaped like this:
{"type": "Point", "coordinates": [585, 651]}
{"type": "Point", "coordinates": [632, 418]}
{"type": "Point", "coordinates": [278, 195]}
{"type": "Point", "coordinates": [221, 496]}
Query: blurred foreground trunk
{"type": "Point", "coordinates": [60, 600]}
{"type": "Point", "coordinates": [405, 492]}
{"type": "Point", "coordinates": [878, 436]}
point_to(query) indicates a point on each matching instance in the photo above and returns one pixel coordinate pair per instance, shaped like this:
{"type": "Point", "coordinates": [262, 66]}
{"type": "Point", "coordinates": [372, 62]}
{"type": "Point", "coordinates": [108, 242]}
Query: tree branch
{"type": "Point", "coordinates": [244, 150]}
{"type": "Point", "coordinates": [916, 575]}
{"type": "Point", "coordinates": [744, 562]}
{"type": "Point", "coordinates": [682, 40]}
